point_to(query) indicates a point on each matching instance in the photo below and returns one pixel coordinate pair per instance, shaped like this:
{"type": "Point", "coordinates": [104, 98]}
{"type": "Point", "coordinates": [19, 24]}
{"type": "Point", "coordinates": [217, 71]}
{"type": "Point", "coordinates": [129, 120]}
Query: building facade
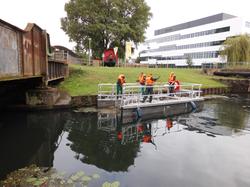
{"type": "Point", "coordinates": [201, 40]}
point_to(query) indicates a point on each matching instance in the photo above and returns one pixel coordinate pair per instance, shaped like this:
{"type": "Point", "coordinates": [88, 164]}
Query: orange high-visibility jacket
{"type": "Point", "coordinates": [169, 123]}
{"type": "Point", "coordinates": [142, 79]}
{"type": "Point", "coordinates": [171, 77]}
{"type": "Point", "coordinates": [121, 79]}
{"type": "Point", "coordinates": [149, 80]}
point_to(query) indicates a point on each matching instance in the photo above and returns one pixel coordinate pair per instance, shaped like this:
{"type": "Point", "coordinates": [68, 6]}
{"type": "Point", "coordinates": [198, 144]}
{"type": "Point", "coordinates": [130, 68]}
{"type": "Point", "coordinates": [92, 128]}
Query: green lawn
{"type": "Point", "coordinates": [83, 80]}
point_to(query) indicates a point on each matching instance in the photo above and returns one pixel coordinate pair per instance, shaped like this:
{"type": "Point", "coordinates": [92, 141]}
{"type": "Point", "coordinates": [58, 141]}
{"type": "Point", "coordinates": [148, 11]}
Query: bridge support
{"type": "Point", "coordinates": [47, 96]}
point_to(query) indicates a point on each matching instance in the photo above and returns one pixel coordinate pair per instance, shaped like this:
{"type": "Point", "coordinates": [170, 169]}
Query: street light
{"type": "Point", "coordinates": [89, 49]}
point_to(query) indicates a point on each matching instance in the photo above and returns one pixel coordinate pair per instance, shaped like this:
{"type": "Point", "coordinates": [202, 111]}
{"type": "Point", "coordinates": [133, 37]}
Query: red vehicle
{"type": "Point", "coordinates": [110, 58]}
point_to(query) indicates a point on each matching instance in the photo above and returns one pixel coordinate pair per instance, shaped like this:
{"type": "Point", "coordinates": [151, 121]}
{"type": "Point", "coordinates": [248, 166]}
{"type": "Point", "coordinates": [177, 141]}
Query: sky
{"type": "Point", "coordinates": [47, 14]}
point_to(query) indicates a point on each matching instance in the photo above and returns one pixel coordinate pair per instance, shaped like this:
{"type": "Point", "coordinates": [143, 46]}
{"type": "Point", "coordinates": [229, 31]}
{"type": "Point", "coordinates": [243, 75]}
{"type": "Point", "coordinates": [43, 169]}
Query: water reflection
{"type": "Point", "coordinates": [99, 144]}
{"type": "Point", "coordinates": [29, 139]}
{"type": "Point", "coordinates": [104, 141]}
{"type": "Point", "coordinates": [220, 117]}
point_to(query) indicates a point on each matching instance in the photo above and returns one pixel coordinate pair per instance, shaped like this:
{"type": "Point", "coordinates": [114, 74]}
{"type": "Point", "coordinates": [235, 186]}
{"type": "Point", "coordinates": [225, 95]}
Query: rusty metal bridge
{"type": "Point", "coordinates": [27, 62]}
{"type": "Point", "coordinates": [26, 54]}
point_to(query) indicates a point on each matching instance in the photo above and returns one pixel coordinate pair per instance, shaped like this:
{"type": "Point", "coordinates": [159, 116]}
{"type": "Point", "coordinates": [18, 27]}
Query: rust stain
{"type": "Point", "coordinates": [23, 53]}
{"type": "Point", "coordinates": [9, 56]}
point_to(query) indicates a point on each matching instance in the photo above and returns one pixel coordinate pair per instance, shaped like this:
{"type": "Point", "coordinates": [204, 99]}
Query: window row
{"type": "Point", "coordinates": [192, 35]}
{"type": "Point", "coordinates": [247, 24]}
{"type": "Point", "coordinates": [198, 55]}
{"type": "Point", "coordinates": [188, 46]}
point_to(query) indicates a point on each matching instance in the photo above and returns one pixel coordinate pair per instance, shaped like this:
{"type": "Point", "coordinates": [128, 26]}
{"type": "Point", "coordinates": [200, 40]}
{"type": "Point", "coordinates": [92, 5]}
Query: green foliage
{"type": "Point", "coordinates": [35, 176]}
{"type": "Point", "coordinates": [83, 80]}
{"type": "Point", "coordinates": [236, 50]}
{"type": "Point", "coordinates": [189, 61]}
{"type": "Point", "coordinates": [108, 23]}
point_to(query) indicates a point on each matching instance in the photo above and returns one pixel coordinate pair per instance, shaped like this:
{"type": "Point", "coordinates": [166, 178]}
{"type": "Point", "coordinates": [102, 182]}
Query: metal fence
{"type": "Point", "coordinates": [161, 92]}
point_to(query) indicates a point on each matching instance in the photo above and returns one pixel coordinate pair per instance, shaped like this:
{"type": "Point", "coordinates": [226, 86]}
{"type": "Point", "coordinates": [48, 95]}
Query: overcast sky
{"type": "Point", "coordinates": [47, 13]}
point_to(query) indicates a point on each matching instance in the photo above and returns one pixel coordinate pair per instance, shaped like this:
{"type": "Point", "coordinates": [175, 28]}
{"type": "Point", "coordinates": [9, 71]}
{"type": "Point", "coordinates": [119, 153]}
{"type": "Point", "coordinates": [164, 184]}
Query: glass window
{"type": "Point", "coordinates": [247, 24]}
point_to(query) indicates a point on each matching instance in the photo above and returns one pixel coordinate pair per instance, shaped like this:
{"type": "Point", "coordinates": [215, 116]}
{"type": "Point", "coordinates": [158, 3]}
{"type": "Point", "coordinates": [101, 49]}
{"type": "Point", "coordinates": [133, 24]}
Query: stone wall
{"type": "Point", "coordinates": [90, 100]}
{"type": "Point", "coordinates": [237, 86]}
{"type": "Point", "coordinates": [214, 91]}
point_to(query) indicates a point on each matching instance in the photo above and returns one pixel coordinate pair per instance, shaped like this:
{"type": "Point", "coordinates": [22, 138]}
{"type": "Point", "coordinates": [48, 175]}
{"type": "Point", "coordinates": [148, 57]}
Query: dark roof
{"type": "Point", "coordinates": [195, 23]}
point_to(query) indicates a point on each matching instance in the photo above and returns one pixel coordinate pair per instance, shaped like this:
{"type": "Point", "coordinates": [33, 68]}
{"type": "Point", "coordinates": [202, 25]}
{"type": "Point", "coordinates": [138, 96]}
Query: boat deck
{"type": "Point", "coordinates": [166, 101]}
{"type": "Point", "coordinates": [163, 103]}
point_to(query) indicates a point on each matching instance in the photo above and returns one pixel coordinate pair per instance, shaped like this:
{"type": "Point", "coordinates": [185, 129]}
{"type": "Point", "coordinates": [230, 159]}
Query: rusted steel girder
{"type": "Point", "coordinates": [24, 53]}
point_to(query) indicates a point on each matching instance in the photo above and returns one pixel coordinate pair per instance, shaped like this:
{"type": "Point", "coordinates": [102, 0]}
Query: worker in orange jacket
{"type": "Point", "coordinates": [147, 134]}
{"type": "Point", "coordinates": [149, 87]}
{"type": "Point", "coordinates": [169, 123]}
{"type": "Point", "coordinates": [171, 81]}
{"type": "Point", "coordinates": [119, 84]}
{"type": "Point", "coordinates": [171, 77]}
{"type": "Point", "coordinates": [142, 81]}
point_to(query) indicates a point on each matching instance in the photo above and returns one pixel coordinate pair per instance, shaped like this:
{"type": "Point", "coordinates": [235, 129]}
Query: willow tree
{"type": "Point", "coordinates": [236, 49]}
{"type": "Point", "coordinates": [108, 23]}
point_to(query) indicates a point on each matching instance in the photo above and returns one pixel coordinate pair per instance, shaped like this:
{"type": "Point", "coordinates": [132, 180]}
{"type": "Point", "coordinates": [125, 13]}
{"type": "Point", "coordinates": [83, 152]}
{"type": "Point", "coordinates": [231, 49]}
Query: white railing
{"type": "Point", "coordinates": [107, 91]}
{"type": "Point", "coordinates": [161, 91]}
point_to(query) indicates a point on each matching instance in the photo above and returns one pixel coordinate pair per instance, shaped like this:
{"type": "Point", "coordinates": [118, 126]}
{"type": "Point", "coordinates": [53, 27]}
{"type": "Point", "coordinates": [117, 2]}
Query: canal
{"type": "Point", "coordinates": [206, 148]}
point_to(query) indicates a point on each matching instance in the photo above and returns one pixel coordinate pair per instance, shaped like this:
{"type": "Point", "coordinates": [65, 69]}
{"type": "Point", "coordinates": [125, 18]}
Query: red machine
{"type": "Point", "coordinates": [110, 58]}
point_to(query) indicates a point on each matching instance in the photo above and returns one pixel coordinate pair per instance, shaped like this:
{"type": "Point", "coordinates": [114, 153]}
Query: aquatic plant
{"type": "Point", "coordinates": [49, 177]}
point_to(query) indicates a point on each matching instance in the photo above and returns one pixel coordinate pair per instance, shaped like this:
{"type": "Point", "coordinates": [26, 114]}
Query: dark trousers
{"type": "Point", "coordinates": [149, 91]}
{"type": "Point", "coordinates": [171, 87]}
{"type": "Point", "coordinates": [118, 89]}
{"type": "Point", "coordinates": [142, 89]}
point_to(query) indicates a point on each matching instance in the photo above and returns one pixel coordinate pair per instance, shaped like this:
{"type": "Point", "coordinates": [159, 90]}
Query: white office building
{"type": "Point", "coordinates": [201, 40]}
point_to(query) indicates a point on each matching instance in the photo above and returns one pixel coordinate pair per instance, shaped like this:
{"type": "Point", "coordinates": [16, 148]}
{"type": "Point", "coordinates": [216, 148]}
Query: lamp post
{"type": "Point", "coordinates": [89, 50]}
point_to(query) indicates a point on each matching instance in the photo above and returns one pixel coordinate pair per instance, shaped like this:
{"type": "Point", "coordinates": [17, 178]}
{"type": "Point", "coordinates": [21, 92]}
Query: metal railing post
{"type": "Point", "coordinates": [192, 91]}
{"type": "Point", "coordinates": [113, 91]}
{"type": "Point", "coordinates": [131, 92]}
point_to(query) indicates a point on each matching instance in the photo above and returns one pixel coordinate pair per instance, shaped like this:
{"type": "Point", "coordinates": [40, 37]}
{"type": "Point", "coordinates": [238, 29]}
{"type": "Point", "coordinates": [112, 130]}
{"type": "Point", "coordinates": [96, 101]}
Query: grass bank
{"type": "Point", "coordinates": [83, 80]}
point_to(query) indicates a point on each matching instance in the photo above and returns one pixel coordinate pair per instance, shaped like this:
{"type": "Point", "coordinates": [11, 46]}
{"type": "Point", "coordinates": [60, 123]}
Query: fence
{"type": "Point", "coordinates": [161, 92]}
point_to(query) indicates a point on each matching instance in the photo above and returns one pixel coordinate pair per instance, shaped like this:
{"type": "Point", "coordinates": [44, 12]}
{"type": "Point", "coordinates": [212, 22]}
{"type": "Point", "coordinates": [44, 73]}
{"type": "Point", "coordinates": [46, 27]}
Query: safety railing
{"type": "Point", "coordinates": [107, 91]}
{"type": "Point", "coordinates": [132, 92]}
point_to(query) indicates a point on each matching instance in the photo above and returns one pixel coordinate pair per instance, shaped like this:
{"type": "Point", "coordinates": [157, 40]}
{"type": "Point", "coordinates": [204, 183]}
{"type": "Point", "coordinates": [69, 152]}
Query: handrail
{"type": "Point", "coordinates": [132, 93]}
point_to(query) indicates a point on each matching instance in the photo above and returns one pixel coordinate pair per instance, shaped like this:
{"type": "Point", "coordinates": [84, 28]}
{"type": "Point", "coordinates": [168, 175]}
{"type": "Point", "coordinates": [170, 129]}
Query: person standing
{"type": "Point", "coordinates": [142, 80]}
{"type": "Point", "coordinates": [169, 124]}
{"type": "Point", "coordinates": [171, 82]}
{"type": "Point", "coordinates": [119, 84]}
{"type": "Point", "coordinates": [149, 88]}
{"type": "Point", "coordinates": [171, 75]}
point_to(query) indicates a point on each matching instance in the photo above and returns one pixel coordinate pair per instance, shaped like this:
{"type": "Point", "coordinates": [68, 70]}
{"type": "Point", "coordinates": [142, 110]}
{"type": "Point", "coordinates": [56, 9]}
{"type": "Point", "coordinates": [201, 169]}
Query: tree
{"type": "Point", "coordinates": [108, 23]}
{"type": "Point", "coordinates": [189, 61]}
{"type": "Point", "coordinates": [236, 49]}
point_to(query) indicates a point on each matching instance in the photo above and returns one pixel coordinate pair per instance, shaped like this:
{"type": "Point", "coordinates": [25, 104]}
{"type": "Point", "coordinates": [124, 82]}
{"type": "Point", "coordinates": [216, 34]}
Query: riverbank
{"type": "Point", "coordinates": [82, 85]}
{"type": "Point", "coordinates": [83, 80]}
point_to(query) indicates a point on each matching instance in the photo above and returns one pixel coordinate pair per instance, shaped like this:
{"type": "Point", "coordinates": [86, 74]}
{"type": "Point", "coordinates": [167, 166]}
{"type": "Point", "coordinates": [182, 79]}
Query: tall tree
{"type": "Point", "coordinates": [236, 49]}
{"type": "Point", "coordinates": [108, 23]}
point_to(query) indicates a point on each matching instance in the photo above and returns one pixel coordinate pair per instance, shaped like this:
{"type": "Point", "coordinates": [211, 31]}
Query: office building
{"type": "Point", "coordinates": [200, 40]}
